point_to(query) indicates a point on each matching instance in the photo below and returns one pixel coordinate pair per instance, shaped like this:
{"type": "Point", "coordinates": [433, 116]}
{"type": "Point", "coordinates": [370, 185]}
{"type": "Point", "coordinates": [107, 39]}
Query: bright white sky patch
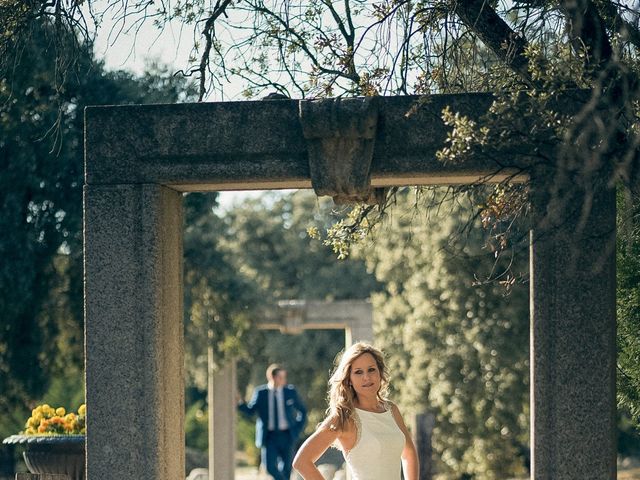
{"type": "Point", "coordinates": [130, 44]}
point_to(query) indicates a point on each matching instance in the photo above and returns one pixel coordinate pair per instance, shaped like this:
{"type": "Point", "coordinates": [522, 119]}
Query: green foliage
{"type": "Point", "coordinates": [41, 198]}
{"type": "Point", "coordinates": [196, 426]}
{"type": "Point", "coordinates": [66, 388]}
{"type": "Point", "coordinates": [270, 247]}
{"type": "Point", "coordinates": [41, 159]}
{"type": "Point", "coordinates": [273, 249]}
{"type": "Point", "coordinates": [456, 349]}
{"type": "Point", "coordinates": [219, 299]}
{"type": "Point", "coordinates": [308, 358]}
{"type": "Point", "coordinates": [628, 306]}
{"type": "Point", "coordinates": [464, 134]}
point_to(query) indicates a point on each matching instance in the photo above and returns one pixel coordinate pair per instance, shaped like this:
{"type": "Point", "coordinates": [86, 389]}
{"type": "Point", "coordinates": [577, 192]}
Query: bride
{"type": "Point", "coordinates": [361, 422]}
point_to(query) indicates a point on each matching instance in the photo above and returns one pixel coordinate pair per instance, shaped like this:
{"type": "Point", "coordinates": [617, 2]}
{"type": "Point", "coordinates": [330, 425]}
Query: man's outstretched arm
{"type": "Point", "coordinates": [248, 409]}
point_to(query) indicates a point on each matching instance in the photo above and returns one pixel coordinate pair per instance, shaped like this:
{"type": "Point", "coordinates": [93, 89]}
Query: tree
{"type": "Point", "coordinates": [327, 48]}
{"type": "Point", "coordinates": [269, 236]}
{"type": "Point", "coordinates": [220, 301]}
{"type": "Point", "coordinates": [456, 349]}
{"type": "Point", "coordinates": [41, 159]}
{"type": "Point", "coordinates": [269, 244]}
{"type": "Point", "coordinates": [628, 310]}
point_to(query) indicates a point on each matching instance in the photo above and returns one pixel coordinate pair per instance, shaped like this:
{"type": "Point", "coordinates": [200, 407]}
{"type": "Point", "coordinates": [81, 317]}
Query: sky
{"type": "Point", "coordinates": [127, 46]}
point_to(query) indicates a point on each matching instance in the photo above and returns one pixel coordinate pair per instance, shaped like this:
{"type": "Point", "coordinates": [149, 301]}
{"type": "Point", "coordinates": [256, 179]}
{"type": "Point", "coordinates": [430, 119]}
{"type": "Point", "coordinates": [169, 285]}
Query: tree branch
{"type": "Point", "coordinates": [303, 45]}
{"type": "Point", "coordinates": [208, 32]}
{"type": "Point", "coordinates": [587, 31]}
{"type": "Point", "coordinates": [348, 36]}
{"type": "Point", "coordinates": [494, 32]}
{"type": "Point", "coordinates": [610, 14]}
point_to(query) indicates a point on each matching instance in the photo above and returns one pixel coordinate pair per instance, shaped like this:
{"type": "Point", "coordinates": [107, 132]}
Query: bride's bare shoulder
{"type": "Point", "coordinates": [332, 423]}
{"type": "Point", "coordinates": [345, 433]}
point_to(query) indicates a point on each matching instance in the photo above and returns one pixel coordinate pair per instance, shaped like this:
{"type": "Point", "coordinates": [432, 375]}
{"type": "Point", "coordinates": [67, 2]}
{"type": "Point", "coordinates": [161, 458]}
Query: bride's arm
{"type": "Point", "coordinates": [410, 464]}
{"type": "Point", "coordinates": [312, 449]}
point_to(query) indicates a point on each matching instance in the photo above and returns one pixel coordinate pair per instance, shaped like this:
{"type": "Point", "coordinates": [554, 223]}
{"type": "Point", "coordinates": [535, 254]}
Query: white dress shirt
{"type": "Point", "coordinates": [276, 399]}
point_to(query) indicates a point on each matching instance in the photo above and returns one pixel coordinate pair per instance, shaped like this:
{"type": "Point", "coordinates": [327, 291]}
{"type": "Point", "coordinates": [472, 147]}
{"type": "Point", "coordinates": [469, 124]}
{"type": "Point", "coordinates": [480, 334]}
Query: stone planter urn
{"type": "Point", "coordinates": [61, 454]}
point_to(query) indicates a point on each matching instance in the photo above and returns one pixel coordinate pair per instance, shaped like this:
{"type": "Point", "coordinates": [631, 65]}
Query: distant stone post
{"type": "Point", "coordinates": [222, 416]}
{"type": "Point", "coordinates": [422, 432]}
{"type": "Point", "coordinates": [355, 317]}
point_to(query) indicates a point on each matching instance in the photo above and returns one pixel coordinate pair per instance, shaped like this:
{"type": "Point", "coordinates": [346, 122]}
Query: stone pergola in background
{"type": "Point", "coordinates": [139, 161]}
{"type": "Point", "coordinates": [355, 317]}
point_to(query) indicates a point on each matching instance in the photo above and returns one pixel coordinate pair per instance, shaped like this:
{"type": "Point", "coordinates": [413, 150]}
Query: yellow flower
{"type": "Point", "coordinates": [43, 427]}
{"type": "Point", "coordinates": [46, 420]}
{"type": "Point", "coordinates": [47, 411]}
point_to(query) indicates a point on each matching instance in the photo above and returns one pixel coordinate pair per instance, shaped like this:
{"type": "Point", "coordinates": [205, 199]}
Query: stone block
{"type": "Point", "coordinates": [260, 144]}
{"type": "Point", "coordinates": [134, 334]}
{"type": "Point", "coordinates": [573, 337]}
{"type": "Point", "coordinates": [222, 414]}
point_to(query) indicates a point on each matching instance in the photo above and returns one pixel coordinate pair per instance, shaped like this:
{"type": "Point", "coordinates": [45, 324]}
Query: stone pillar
{"type": "Point", "coordinates": [422, 429]}
{"type": "Point", "coordinates": [133, 332]}
{"type": "Point", "coordinates": [573, 342]}
{"type": "Point", "coordinates": [360, 326]}
{"type": "Point", "coordinates": [222, 415]}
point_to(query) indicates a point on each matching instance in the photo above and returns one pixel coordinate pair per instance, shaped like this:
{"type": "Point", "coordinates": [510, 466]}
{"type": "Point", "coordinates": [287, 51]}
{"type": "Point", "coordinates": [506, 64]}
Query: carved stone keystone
{"type": "Point", "coordinates": [340, 134]}
{"type": "Point", "coordinates": [293, 314]}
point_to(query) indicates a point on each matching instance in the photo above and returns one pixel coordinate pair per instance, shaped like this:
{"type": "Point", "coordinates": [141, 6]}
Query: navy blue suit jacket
{"type": "Point", "coordinates": [294, 410]}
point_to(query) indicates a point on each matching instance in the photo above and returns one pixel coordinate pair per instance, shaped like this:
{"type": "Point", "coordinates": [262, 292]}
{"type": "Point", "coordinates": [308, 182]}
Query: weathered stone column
{"type": "Point", "coordinates": [573, 326]}
{"type": "Point", "coordinates": [133, 332]}
{"type": "Point", "coordinates": [422, 429]}
{"type": "Point", "coordinates": [222, 415]}
{"type": "Point", "coordinates": [360, 327]}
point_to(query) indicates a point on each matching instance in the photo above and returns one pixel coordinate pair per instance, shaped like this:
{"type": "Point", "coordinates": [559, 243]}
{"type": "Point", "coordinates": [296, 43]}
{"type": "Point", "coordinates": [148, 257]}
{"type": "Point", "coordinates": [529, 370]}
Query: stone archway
{"type": "Point", "coordinates": [355, 317]}
{"type": "Point", "coordinates": [139, 160]}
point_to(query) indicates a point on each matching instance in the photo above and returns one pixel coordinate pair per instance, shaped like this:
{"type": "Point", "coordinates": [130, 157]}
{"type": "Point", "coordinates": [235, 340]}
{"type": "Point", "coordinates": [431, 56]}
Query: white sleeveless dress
{"type": "Point", "coordinates": [379, 444]}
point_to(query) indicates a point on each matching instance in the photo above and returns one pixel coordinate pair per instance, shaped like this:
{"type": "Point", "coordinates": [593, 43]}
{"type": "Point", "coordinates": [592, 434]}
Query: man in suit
{"type": "Point", "coordinates": [281, 418]}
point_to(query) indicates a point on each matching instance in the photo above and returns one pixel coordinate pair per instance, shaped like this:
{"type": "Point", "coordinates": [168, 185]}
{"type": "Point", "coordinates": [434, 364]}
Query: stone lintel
{"type": "Point", "coordinates": [294, 316]}
{"type": "Point", "coordinates": [259, 144]}
{"type": "Point", "coordinates": [284, 328]}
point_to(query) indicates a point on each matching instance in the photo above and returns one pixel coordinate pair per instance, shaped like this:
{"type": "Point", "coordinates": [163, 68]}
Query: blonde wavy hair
{"type": "Point", "coordinates": [342, 394]}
